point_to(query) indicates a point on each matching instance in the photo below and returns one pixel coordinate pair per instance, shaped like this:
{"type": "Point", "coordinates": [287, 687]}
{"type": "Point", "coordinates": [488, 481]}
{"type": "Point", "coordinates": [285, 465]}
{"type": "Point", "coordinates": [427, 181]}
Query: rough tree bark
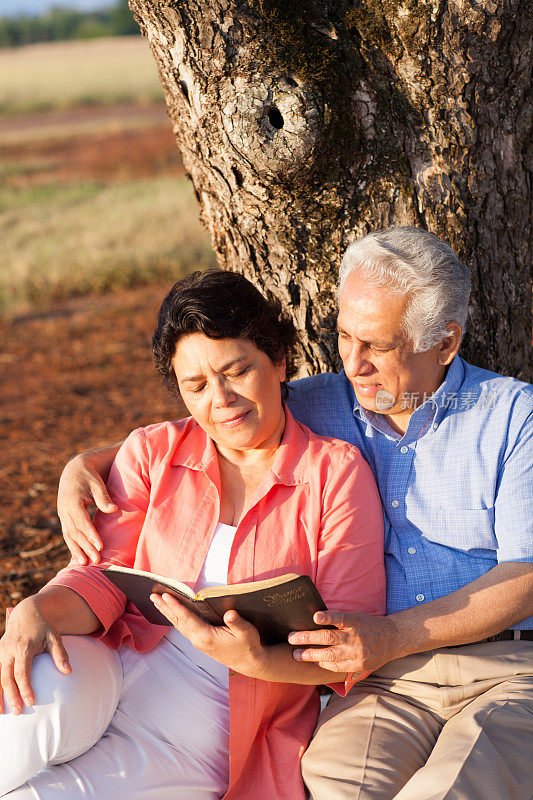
{"type": "Point", "coordinates": [306, 123]}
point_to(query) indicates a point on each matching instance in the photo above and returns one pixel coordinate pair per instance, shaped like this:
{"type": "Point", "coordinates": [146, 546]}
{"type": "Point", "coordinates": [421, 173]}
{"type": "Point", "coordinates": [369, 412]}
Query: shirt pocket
{"type": "Point", "coordinates": [463, 529]}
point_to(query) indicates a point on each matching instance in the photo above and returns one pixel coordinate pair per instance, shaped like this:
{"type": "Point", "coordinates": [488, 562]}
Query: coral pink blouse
{"type": "Point", "coordinates": [317, 512]}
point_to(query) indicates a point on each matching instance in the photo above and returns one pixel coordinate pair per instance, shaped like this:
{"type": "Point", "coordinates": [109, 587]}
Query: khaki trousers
{"type": "Point", "coordinates": [449, 724]}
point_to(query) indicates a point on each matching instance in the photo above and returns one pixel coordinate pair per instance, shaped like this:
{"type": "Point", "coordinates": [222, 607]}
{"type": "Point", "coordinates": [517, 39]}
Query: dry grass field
{"type": "Point", "coordinates": [92, 195]}
{"type": "Point", "coordinates": [93, 201]}
{"type": "Point", "coordinates": [43, 77]}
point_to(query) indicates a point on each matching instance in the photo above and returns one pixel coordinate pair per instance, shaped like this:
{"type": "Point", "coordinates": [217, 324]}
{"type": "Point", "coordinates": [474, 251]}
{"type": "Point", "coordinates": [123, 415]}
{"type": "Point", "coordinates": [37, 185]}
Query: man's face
{"type": "Point", "coordinates": [378, 358]}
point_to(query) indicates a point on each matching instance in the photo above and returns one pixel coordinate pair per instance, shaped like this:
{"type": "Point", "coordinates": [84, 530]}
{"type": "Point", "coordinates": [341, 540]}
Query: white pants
{"type": "Point", "coordinates": [122, 726]}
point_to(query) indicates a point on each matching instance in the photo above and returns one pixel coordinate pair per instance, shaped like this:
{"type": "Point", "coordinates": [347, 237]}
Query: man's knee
{"type": "Point", "coordinates": [367, 746]}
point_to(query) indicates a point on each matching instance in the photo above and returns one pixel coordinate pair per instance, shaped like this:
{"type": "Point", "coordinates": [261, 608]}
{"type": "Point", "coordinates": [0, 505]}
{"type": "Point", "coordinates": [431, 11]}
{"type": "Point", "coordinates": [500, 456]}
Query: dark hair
{"type": "Point", "coordinates": [222, 305]}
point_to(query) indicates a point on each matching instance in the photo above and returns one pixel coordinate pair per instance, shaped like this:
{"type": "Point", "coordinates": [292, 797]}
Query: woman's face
{"type": "Point", "coordinates": [232, 390]}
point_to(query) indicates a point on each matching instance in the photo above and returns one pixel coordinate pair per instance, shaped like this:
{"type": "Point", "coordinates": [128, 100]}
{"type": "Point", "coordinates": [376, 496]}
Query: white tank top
{"type": "Point", "coordinates": [214, 573]}
{"type": "Point", "coordinates": [215, 569]}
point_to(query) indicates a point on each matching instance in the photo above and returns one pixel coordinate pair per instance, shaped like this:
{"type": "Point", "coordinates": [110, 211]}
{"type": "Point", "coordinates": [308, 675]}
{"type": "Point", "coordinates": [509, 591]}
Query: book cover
{"type": "Point", "coordinates": [276, 606]}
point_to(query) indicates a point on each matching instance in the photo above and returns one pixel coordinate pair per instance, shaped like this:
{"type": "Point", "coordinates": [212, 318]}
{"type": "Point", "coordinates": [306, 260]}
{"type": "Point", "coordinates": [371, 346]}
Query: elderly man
{"type": "Point", "coordinates": [444, 708]}
{"type": "Point", "coordinates": [451, 447]}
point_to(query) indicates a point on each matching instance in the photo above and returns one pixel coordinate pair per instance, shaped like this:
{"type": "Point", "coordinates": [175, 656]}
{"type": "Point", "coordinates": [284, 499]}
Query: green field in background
{"type": "Point", "coordinates": [61, 75]}
{"type": "Point", "coordinates": [61, 241]}
{"type": "Point", "coordinates": [65, 236]}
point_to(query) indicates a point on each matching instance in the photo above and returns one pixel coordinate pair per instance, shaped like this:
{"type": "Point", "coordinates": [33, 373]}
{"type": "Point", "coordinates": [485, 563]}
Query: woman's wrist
{"type": "Point", "coordinates": [256, 664]}
{"type": "Point", "coordinates": [27, 606]}
{"type": "Point", "coordinates": [100, 460]}
{"type": "Point", "coordinates": [90, 462]}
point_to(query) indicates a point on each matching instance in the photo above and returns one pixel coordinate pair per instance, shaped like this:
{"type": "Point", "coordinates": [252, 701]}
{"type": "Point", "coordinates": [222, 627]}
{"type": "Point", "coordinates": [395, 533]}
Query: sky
{"type": "Point", "coordinates": [10, 8]}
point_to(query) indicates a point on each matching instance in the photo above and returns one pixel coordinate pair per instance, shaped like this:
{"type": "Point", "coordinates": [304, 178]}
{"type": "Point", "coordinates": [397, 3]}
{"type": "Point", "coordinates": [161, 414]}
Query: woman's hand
{"type": "Point", "coordinates": [28, 633]}
{"type": "Point", "coordinates": [79, 486]}
{"type": "Point", "coordinates": [235, 644]}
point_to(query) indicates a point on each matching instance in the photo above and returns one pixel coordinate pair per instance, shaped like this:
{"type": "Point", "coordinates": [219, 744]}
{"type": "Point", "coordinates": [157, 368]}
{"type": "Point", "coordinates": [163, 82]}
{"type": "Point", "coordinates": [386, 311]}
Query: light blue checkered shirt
{"type": "Point", "coordinates": [456, 488]}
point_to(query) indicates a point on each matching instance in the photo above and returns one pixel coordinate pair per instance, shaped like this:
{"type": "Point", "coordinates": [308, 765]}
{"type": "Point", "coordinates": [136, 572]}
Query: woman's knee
{"type": "Point", "coordinates": [70, 714]}
{"type": "Point", "coordinates": [79, 706]}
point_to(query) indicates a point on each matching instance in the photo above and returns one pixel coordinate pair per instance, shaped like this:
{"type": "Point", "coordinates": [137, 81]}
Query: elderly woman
{"type": "Point", "coordinates": [239, 491]}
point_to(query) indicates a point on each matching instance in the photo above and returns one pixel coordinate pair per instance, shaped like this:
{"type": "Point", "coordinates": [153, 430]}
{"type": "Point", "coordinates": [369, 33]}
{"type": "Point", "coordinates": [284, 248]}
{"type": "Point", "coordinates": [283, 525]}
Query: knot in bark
{"type": "Point", "coordinates": [273, 123]}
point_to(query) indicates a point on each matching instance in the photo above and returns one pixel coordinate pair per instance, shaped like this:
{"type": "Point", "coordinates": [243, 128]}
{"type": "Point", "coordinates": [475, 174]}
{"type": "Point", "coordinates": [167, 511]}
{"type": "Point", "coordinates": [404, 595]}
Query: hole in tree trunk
{"type": "Point", "coordinates": [237, 175]}
{"type": "Point", "coordinates": [294, 291]}
{"type": "Point", "coordinates": [275, 118]}
{"type": "Point", "coordinates": [184, 89]}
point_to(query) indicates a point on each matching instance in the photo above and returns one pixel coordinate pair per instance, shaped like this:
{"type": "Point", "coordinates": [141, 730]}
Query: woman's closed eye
{"type": "Point", "coordinates": [199, 387]}
{"type": "Point", "coordinates": [239, 373]}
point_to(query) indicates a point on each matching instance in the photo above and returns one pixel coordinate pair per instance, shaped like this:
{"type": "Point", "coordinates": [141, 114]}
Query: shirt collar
{"type": "Point", "coordinates": [448, 389]}
{"type": "Point", "coordinates": [377, 421]}
{"type": "Point", "coordinates": [430, 413]}
{"type": "Point", "coordinates": [291, 463]}
{"type": "Point", "coordinates": [196, 450]}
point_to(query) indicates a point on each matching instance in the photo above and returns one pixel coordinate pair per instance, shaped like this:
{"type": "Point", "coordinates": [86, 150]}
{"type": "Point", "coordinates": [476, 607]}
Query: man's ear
{"type": "Point", "coordinates": [450, 344]}
{"type": "Point", "coordinates": [282, 369]}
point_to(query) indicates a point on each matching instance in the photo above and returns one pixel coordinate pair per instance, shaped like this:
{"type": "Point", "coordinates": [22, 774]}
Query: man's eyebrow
{"type": "Point", "coordinates": [377, 343]}
{"type": "Point", "coordinates": [373, 342]}
{"type": "Point", "coordinates": [223, 368]}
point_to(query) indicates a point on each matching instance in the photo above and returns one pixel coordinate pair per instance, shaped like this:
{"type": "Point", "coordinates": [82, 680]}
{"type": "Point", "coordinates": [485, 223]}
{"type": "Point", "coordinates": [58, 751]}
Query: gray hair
{"type": "Point", "coordinates": [411, 261]}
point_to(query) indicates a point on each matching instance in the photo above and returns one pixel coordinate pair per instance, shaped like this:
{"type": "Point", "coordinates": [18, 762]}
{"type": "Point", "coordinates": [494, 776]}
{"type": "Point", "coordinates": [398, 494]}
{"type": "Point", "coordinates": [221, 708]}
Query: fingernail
{"type": "Point", "coordinates": [15, 710]}
{"type": "Point", "coordinates": [292, 638]}
{"type": "Point", "coordinates": [297, 655]}
{"type": "Point", "coordinates": [27, 701]}
{"type": "Point", "coordinates": [319, 618]}
{"type": "Point", "coordinates": [66, 665]}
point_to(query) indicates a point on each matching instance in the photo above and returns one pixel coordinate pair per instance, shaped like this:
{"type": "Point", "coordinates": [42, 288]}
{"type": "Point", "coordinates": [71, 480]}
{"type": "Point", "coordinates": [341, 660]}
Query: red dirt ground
{"type": "Point", "coordinates": [135, 142]}
{"type": "Point", "coordinates": [79, 376]}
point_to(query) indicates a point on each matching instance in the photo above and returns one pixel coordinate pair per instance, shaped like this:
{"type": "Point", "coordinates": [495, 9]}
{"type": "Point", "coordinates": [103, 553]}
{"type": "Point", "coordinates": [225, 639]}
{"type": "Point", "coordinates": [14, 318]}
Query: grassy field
{"type": "Point", "coordinates": [62, 75]}
{"type": "Point", "coordinates": [60, 241]}
{"type": "Point", "coordinates": [92, 197]}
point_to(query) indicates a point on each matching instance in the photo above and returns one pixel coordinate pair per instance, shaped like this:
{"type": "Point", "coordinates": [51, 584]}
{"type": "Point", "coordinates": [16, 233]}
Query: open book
{"type": "Point", "coordinates": [276, 606]}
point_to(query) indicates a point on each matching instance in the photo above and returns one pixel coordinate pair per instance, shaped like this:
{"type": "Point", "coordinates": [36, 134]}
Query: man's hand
{"type": "Point", "coordinates": [28, 633]}
{"type": "Point", "coordinates": [235, 644]}
{"type": "Point", "coordinates": [80, 485]}
{"type": "Point", "coordinates": [360, 644]}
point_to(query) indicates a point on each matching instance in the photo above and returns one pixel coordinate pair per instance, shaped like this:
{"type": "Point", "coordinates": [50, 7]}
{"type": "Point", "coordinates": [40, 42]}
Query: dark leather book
{"type": "Point", "coordinates": [276, 606]}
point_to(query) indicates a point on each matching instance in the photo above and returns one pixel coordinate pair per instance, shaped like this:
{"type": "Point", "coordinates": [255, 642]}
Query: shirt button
{"type": "Point", "coordinates": [395, 503]}
{"type": "Point", "coordinates": [404, 449]}
{"type": "Point", "coordinates": [420, 597]}
{"type": "Point", "coordinates": [411, 550]}
{"type": "Point", "coordinates": [435, 426]}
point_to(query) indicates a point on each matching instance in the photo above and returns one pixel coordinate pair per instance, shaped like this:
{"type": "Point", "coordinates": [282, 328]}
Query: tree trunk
{"type": "Point", "coordinates": [305, 124]}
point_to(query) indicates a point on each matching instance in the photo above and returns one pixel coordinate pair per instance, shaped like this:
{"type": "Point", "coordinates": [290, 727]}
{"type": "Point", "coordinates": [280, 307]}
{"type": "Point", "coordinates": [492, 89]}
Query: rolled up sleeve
{"type": "Point", "coordinates": [513, 508]}
{"type": "Point", "coordinates": [129, 488]}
